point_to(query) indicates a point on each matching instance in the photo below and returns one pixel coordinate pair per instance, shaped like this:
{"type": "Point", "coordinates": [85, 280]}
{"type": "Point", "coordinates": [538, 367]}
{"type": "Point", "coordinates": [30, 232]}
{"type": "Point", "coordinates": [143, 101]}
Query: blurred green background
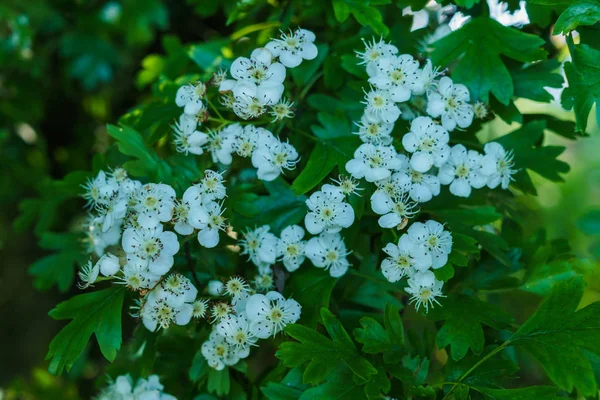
{"type": "Point", "coordinates": [68, 68]}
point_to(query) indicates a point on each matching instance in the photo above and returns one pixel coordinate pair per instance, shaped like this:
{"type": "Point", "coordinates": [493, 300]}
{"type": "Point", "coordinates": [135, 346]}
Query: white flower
{"type": "Point", "coordinates": [263, 282]}
{"type": "Point", "coordinates": [328, 211]}
{"type": "Point", "coordinates": [249, 138]}
{"type": "Point", "coordinates": [397, 75]}
{"type": "Point", "coordinates": [88, 274]}
{"type": "Point", "coordinates": [261, 247]}
{"type": "Point", "coordinates": [282, 110]}
{"type": "Point", "coordinates": [220, 310]}
{"type": "Point", "coordinates": [328, 251]}
{"type": "Point", "coordinates": [426, 79]}
{"type": "Point", "coordinates": [180, 216]}
{"type": "Point", "coordinates": [270, 313]}
{"type": "Point", "coordinates": [215, 287]}
{"type": "Point", "coordinates": [290, 248]}
{"type": "Point", "coordinates": [113, 212]}
{"type": "Point", "coordinates": [404, 259]}
{"type": "Point", "coordinates": [122, 389]}
{"type": "Point", "coordinates": [218, 352]}
{"type": "Point", "coordinates": [451, 103]}
{"type": "Point", "coordinates": [424, 288]}
{"type": "Point", "coordinates": [237, 333]}
{"type": "Point", "coordinates": [187, 138]}
{"type": "Point", "coordinates": [497, 165]}
{"type": "Point", "coordinates": [480, 110]}
{"type": "Point", "coordinates": [381, 106]}
{"type": "Point", "coordinates": [428, 142]}
{"type": "Point", "coordinates": [249, 107]}
{"type": "Point", "coordinates": [221, 143]}
{"type": "Point", "coordinates": [293, 47]}
{"type": "Point", "coordinates": [154, 203]}
{"type": "Point", "coordinates": [348, 185]}
{"type": "Point", "coordinates": [257, 77]}
{"type": "Point", "coordinates": [236, 288]}
{"type": "Point", "coordinates": [190, 97]}
{"type": "Point", "coordinates": [434, 239]}
{"type": "Point", "coordinates": [272, 156]}
{"type": "Point", "coordinates": [137, 276]}
{"type": "Point", "coordinates": [208, 218]}
{"type": "Point", "coordinates": [374, 51]}
{"type": "Point", "coordinates": [373, 130]}
{"type": "Point", "coordinates": [211, 186]}
{"type": "Point", "coordinates": [154, 246]}
{"type": "Point", "coordinates": [374, 163]}
{"type": "Point", "coordinates": [462, 171]}
{"type": "Point", "coordinates": [200, 307]}
{"type": "Point", "coordinates": [109, 264]}
{"type": "Point", "coordinates": [421, 187]}
{"type": "Point", "coordinates": [168, 303]}
{"type": "Point", "coordinates": [96, 240]}
{"type": "Point", "coordinates": [99, 190]}
{"type": "Point", "coordinates": [395, 211]}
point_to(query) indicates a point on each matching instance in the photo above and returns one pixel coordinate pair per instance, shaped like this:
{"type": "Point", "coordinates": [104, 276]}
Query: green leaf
{"type": "Point", "coordinates": [96, 313]}
{"type": "Point", "coordinates": [558, 336]}
{"type": "Point", "coordinates": [341, 385]}
{"type": "Point", "coordinates": [308, 69]}
{"type": "Point", "coordinates": [321, 353]}
{"type": "Point", "coordinates": [147, 162]}
{"type": "Point", "coordinates": [312, 288]}
{"type": "Point", "coordinates": [218, 381]}
{"type": "Point", "coordinates": [544, 276]}
{"type": "Point", "coordinates": [528, 393]}
{"type": "Point", "coordinates": [278, 391]}
{"type": "Point", "coordinates": [531, 80]}
{"type": "Point", "coordinates": [364, 14]}
{"type": "Point", "coordinates": [480, 43]}
{"type": "Point", "coordinates": [463, 316]}
{"type": "Point", "coordinates": [581, 12]}
{"type": "Point", "coordinates": [209, 55]}
{"type": "Point", "coordinates": [320, 163]}
{"type": "Point", "coordinates": [583, 75]}
{"type": "Point", "coordinates": [377, 339]}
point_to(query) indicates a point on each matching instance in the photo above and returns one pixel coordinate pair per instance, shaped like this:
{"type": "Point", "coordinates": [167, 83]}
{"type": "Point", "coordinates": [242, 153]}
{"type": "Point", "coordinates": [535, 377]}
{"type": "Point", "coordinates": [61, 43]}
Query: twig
{"type": "Point", "coordinates": [188, 255]}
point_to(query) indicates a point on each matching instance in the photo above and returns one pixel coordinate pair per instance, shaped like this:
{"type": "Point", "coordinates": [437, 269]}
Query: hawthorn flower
{"type": "Point", "coordinates": [328, 251]}
{"type": "Point", "coordinates": [290, 247]}
{"type": "Point", "coordinates": [109, 264]}
{"type": "Point", "coordinates": [264, 282]}
{"type": "Point", "coordinates": [374, 163]}
{"type": "Point", "coordinates": [218, 352]}
{"type": "Point", "coordinates": [381, 106]}
{"type": "Point", "coordinates": [154, 203]}
{"type": "Point", "coordinates": [374, 51]}
{"type": "Point", "coordinates": [112, 212]}
{"type": "Point", "coordinates": [270, 313]}
{"type": "Point", "coordinates": [215, 287]}
{"type": "Point", "coordinates": [236, 288]}
{"type": "Point", "coordinates": [497, 165]}
{"type": "Point", "coordinates": [424, 289]}
{"type": "Point", "coordinates": [96, 239]}
{"type": "Point", "coordinates": [122, 388]}
{"type": "Point", "coordinates": [88, 274]}
{"type": "Point", "coordinates": [434, 239]}
{"type": "Point", "coordinates": [99, 190]}
{"type": "Point", "coordinates": [328, 211]}
{"type": "Point", "coordinates": [480, 110]}
{"type": "Point", "coordinates": [166, 306]}
{"type": "Point", "coordinates": [220, 144]}
{"type": "Point", "coordinates": [397, 75]}
{"type": "Point", "coordinates": [373, 130]}
{"type": "Point", "coordinates": [180, 216]}
{"type": "Point", "coordinates": [421, 187]}
{"type": "Point", "coordinates": [220, 310]}
{"type": "Point", "coordinates": [187, 138]}
{"type": "Point", "coordinates": [257, 77]}
{"type": "Point", "coordinates": [177, 289]}
{"type": "Point", "coordinates": [293, 47]}
{"type": "Point", "coordinates": [428, 142]}
{"type": "Point", "coordinates": [137, 276]}
{"type": "Point", "coordinates": [211, 186]}
{"type": "Point", "coordinates": [249, 138]}
{"type": "Point", "coordinates": [261, 247]}
{"type": "Point", "coordinates": [271, 157]}
{"type": "Point", "coordinates": [200, 307]}
{"type": "Point", "coordinates": [462, 171]}
{"type": "Point", "coordinates": [404, 259]}
{"type": "Point", "coordinates": [451, 103]}
{"type": "Point", "coordinates": [249, 107]}
{"type": "Point", "coordinates": [395, 211]}
{"type": "Point", "coordinates": [208, 218]}
{"type": "Point", "coordinates": [347, 185]}
{"type": "Point", "coordinates": [425, 79]}
{"type": "Point", "coordinates": [237, 333]}
{"type": "Point", "coordinates": [154, 246]}
{"type": "Point", "coordinates": [190, 97]}
{"type": "Point", "coordinates": [281, 110]}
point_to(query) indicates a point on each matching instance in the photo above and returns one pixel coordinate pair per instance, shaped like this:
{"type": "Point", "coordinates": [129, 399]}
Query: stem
{"type": "Point", "coordinates": [475, 366]}
{"type": "Point", "coordinates": [188, 255]}
{"type": "Point", "coordinates": [306, 134]}
{"type": "Point", "coordinates": [215, 110]}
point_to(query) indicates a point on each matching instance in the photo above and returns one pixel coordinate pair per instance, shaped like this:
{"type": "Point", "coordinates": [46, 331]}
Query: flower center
{"type": "Point", "coordinates": [425, 294]}
{"type": "Point", "coordinates": [292, 250]}
{"type": "Point", "coordinates": [373, 130]}
{"type": "Point", "coordinates": [216, 220]}
{"type": "Point", "coordinates": [151, 201]}
{"type": "Point", "coordinates": [375, 161]}
{"type": "Point", "coordinates": [276, 315]}
{"type": "Point", "coordinates": [397, 75]}
{"type": "Point", "coordinates": [258, 74]}
{"type": "Point", "coordinates": [331, 256]}
{"type": "Point", "coordinates": [291, 42]}
{"type": "Point", "coordinates": [152, 247]}
{"type": "Point", "coordinates": [211, 183]}
{"type": "Point", "coordinates": [220, 350]}
{"type": "Point", "coordinates": [399, 208]}
{"type": "Point", "coordinates": [240, 337]}
{"type": "Point", "coordinates": [403, 262]}
{"type": "Point", "coordinates": [433, 241]}
{"type": "Point", "coordinates": [462, 171]}
{"type": "Point", "coordinates": [451, 103]}
{"type": "Point", "coordinates": [280, 158]}
{"type": "Point", "coordinates": [326, 213]}
{"type": "Point", "coordinates": [427, 144]}
{"type": "Point", "coordinates": [416, 177]}
{"type": "Point", "coordinates": [378, 101]}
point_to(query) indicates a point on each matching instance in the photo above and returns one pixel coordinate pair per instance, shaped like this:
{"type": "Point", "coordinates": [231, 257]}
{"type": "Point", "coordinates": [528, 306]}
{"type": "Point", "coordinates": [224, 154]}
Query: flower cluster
{"type": "Point", "coordinates": [424, 247]}
{"type": "Point", "coordinates": [145, 389]}
{"type": "Point", "coordinates": [240, 323]}
{"type": "Point", "coordinates": [435, 106]}
{"type": "Point", "coordinates": [257, 82]}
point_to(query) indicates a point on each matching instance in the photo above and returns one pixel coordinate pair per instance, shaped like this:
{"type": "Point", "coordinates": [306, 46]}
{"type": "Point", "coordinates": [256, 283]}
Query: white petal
{"type": "Point", "coordinates": [208, 238]}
